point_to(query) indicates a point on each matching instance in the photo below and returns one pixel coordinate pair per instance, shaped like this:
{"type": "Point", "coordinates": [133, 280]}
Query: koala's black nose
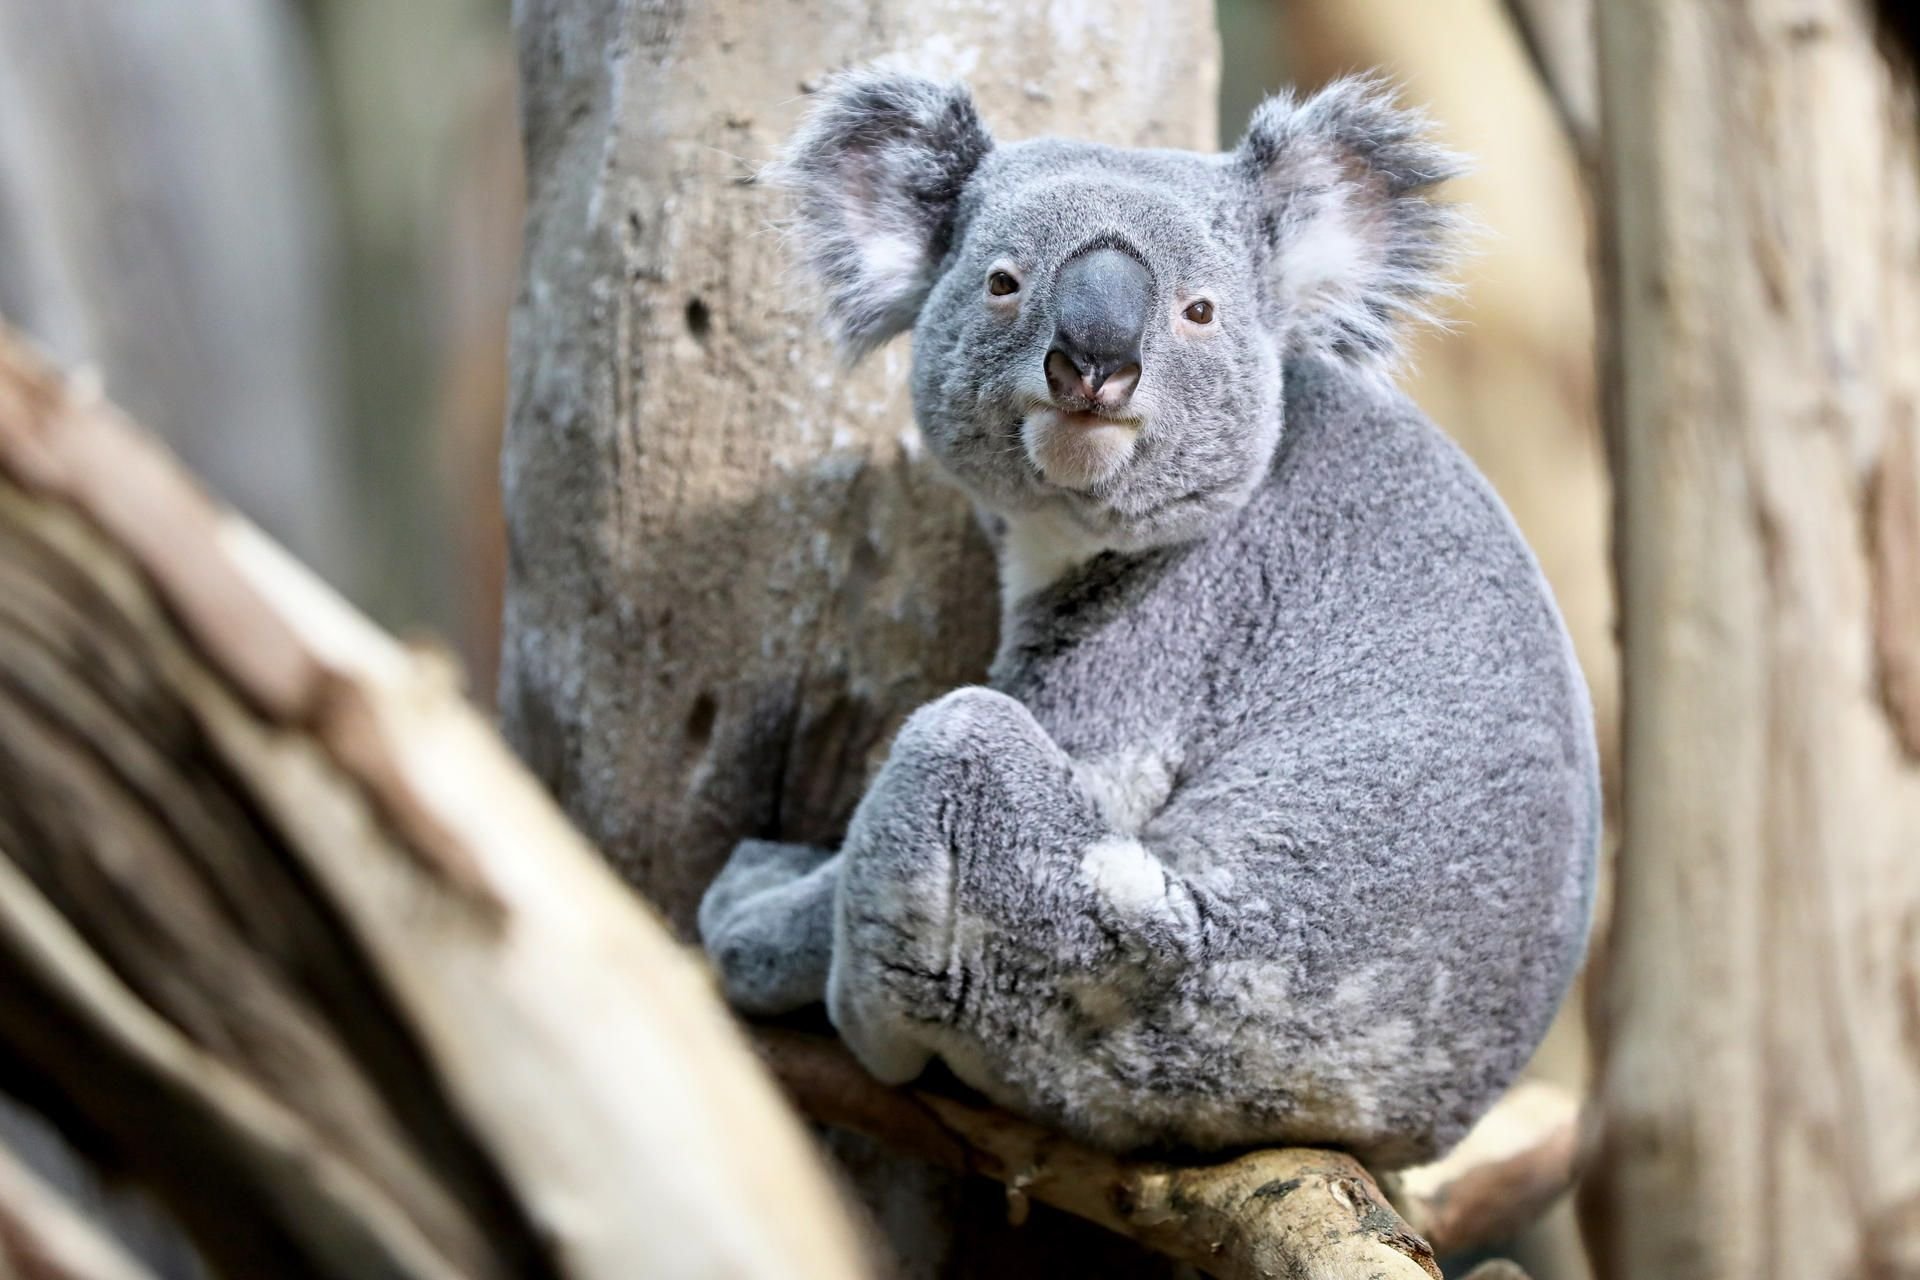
{"type": "Point", "coordinates": [1101, 303]}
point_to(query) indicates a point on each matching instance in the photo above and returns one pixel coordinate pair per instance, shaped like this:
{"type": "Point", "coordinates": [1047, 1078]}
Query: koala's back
{"type": "Point", "coordinates": [1352, 725]}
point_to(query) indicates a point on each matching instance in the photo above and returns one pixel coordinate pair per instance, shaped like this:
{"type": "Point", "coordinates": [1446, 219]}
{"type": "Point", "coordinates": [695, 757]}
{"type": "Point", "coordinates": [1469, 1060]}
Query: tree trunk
{"type": "Point", "coordinates": [1761, 1032]}
{"type": "Point", "coordinates": [732, 569]}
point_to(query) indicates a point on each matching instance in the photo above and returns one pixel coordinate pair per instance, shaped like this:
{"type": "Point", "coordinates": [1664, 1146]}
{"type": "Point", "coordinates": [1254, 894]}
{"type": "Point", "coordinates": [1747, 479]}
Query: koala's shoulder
{"type": "Point", "coordinates": [1358, 447]}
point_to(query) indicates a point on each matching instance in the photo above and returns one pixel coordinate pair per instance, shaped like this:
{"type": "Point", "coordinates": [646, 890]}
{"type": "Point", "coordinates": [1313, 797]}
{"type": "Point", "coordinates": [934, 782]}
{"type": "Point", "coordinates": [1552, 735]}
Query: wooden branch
{"type": "Point", "coordinates": [42, 1237]}
{"type": "Point", "coordinates": [1302, 1212]}
{"type": "Point", "coordinates": [1520, 1158]}
{"type": "Point", "coordinates": [286, 926]}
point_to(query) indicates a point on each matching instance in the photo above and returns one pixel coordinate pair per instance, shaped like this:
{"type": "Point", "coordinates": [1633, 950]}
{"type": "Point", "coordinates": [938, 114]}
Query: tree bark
{"type": "Point", "coordinates": [287, 934]}
{"type": "Point", "coordinates": [1760, 1069]}
{"type": "Point", "coordinates": [732, 571]}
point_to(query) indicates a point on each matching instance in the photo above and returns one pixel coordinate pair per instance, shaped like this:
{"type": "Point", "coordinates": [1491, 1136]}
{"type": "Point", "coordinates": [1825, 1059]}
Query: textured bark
{"type": "Point", "coordinates": [732, 572]}
{"type": "Point", "coordinates": [162, 222]}
{"type": "Point", "coordinates": [1760, 1074]}
{"type": "Point", "coordinates": [287, 934]}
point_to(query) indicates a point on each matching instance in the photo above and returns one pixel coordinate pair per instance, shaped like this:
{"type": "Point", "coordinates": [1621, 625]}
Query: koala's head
{"type": "Point", "coordinates": [1100, 331]}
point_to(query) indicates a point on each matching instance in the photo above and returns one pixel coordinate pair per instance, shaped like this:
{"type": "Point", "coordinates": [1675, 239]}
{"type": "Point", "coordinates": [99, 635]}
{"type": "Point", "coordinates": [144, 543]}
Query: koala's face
{"type": "Point", "coordinates": [1100, 331]}
{"type": "Point", "coordinates": [1095, 341]}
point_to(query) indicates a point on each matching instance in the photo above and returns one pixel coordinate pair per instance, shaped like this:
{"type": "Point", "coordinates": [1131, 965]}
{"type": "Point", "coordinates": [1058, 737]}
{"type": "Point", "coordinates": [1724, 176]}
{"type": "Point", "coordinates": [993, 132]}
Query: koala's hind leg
{"type": "Point", "coordinates": [767, 924]}
{"type": "Point", "coordinates": [973, 882]}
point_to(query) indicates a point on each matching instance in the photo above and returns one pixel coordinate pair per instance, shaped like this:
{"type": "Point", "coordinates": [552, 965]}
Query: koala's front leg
{"type": "Point", "coordinates": [972, 864]}
{"type": "Point", "coordinates": [767, 924]}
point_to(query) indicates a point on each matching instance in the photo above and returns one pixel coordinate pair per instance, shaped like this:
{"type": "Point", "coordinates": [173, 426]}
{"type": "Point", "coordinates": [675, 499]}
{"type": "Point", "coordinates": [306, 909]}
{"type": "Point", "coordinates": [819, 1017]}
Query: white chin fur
{"type": "Point", "coordinates": [1072, 454]}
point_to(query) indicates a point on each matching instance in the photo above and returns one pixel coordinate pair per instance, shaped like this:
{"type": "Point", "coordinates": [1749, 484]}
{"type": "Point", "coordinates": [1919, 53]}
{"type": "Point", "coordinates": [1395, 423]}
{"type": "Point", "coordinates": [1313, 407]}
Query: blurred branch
{"type": "Point", "coordinates": [42, 1237]}
{"type": "Point", "coordinates": [1498, 1269]}
{"type": "Point", "coordinates": [288, 931]}
{"type": "Point", "coordinates": [1298, 1211]}
{"type": "Point", "coordinates": [1558, 35]}
{"type": "Point", "coordinates": [1520, 1158]}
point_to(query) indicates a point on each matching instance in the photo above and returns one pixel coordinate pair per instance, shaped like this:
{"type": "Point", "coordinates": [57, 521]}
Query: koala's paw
{"type": "Point", "coordinates": [767, 924]}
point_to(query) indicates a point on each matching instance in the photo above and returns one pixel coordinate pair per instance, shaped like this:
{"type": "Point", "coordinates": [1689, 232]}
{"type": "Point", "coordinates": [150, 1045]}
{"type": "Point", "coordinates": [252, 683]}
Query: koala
{"type": "Point", "coordinates": [1277, 819]}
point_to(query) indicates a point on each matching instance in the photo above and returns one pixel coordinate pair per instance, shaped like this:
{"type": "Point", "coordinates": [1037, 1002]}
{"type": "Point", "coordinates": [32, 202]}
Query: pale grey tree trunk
{"type": "Point", "coordinates": [1760, 1033]}
{"type": "Point", "coordinates": [732, 571]}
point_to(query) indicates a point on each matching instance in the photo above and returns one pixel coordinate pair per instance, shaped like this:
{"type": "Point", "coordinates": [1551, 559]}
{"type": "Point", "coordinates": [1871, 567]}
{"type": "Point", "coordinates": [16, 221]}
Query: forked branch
{"type": "Point", "coordinates": [1301, 1211]}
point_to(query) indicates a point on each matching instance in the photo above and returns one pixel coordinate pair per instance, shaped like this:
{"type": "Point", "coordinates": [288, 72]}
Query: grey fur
{"type": "Point", "coordinates": [1278, 822]}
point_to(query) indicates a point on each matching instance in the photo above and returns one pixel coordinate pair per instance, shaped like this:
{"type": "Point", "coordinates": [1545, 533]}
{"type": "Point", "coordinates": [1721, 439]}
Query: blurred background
{"type": "Point", "coordinates": [285, 235]}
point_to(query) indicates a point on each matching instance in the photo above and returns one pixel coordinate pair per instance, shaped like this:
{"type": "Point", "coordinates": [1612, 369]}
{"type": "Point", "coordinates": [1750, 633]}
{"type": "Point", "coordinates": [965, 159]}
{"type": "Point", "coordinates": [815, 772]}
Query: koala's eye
{"type": "Point", "coordinates": [1000, 284]}
{"type": "Point", "coordinates": [1200, 312]}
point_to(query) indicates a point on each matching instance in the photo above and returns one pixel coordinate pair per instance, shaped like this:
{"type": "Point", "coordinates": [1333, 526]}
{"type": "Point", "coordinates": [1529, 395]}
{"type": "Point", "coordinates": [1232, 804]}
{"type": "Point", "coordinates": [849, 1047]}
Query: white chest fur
{"type": "Point", "coordinates": [1038, 548]}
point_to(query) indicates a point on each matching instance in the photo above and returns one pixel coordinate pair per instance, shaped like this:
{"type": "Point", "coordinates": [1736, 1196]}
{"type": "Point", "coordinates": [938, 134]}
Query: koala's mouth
{"type": "Point", "coordinates": [1078, 449]}
{"type": "Point", "coordinates": [1096, 418]}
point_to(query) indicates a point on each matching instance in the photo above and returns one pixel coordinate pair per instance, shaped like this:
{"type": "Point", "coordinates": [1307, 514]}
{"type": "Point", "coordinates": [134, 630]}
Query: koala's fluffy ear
{"type": "Point", "coordinates": [1352, 243]}
{"type": "Point", "coordinates": [876, 170]}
